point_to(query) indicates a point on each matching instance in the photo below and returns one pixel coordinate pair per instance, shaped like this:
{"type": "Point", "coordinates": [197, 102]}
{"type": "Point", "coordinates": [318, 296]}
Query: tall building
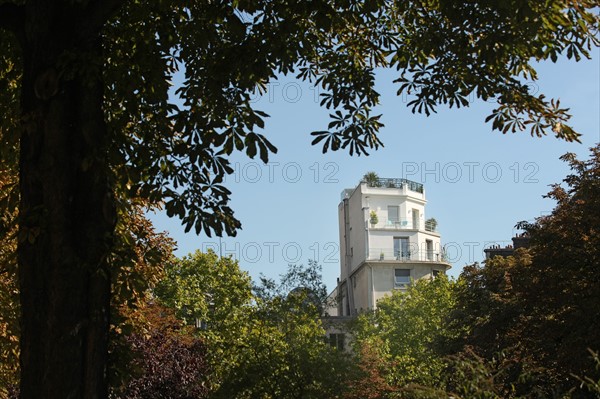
{"type": "Point", "coordinates": [386, 242]}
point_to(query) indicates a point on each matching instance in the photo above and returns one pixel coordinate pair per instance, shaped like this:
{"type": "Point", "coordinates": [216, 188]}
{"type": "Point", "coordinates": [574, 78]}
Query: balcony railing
{"type": "Point", "coordinates": [387, 182]}
{"type": "Point", "coordinates": [403, 224]}
{"type": "Point", "coordinates": [409, 255]}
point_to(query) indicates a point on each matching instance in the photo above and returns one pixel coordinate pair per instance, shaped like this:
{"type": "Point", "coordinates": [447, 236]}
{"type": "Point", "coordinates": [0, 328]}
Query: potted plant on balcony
{"type": "Point", "coordinates": [374, 218]}
{"type": "Point", "coordinates": [372, 179]}
{"type": "Point", "coordinates": [381, 256]}
{"type": "Point", "coordinates": [431, 224]}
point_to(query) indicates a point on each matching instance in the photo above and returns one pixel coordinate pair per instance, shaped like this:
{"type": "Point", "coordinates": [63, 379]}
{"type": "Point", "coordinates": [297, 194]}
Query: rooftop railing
{"type": "Point", "coordinates": [387, 182]}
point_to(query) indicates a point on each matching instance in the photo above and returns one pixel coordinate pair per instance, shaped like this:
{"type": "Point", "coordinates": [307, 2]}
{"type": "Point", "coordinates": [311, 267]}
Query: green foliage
{"type": "Point", "coordinates": [405, 329]}
{"type": "Point", "coordinates": [203, 286]}
{"type": "Point", "coordinates": [488, 304]}
{"type": "Point", "coordinates": [538, 310]}
{"type": "Point", "coordinates": [213, 294]}
{"type": "Point", "coordinates": [372, 179]}
{"type": "Point", "coordinates": [304, 281]}
{"type": "Point", "coordinates": [431, 224]}
{"type": "Point", "coordinates": [285, 354]}
{"type": "Point", "coordinates": [374, 218]}
{"type": "Point", "coordinates": [563, 297]}
{"type": "Point", "coordinates": [264, 341]}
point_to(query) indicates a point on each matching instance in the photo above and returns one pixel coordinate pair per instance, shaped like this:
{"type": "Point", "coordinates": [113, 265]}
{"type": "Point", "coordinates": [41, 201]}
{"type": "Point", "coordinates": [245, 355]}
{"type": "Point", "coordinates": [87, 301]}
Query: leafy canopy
{"type": "Point", "coordinates": [405, 329]}
{"type": "Point", "coordinates": [174, 146]}
{"type": "Point", "coordinates": [263, 341]}
{"type": "Point", "coordinates": [538, 310]}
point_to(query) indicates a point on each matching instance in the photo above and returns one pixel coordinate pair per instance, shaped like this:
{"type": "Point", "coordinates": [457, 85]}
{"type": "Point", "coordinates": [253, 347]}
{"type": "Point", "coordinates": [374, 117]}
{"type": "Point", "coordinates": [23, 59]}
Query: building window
{"type": "Point", "coordinates": [393, 214]}
{"type": "Point", "coordinates": [416, 219]}
{"type": "Point", "coordinates": [201, 324]}
{"type": "Point", "coordinates": [337, 341]}
{"type": "Point", "coordinates": [436, 273]}
{"type": "Point", "coordinates": [429, 245]}
{"type": "Point", "coordinates": [401, 277]}
{"type": "Point", "coordinates": [401, 248]}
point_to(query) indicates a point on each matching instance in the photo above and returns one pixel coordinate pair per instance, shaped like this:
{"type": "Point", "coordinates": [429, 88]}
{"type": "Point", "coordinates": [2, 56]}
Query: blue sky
{"type": "Point", "coordinates": [478, 182]}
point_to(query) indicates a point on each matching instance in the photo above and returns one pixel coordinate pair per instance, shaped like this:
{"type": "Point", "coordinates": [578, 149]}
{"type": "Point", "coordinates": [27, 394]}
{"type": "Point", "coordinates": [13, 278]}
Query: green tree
{"type": "Point", "coordinates": [88, 119]}
{"type": "Point", "coordinates": [265, 340]}
{"type": "Point", "coordinates": [205, 287]}
{"type": "Point", "coordinates": [214, 294]}
{"type": "Point", "coordinates": [284, 353]}
{"type": "Point", "coordinates": [405, 329]}
{"type": "Point", "coordinates": [487, 321]}
{"type": "Point", "coordinates": [562, 299]}
{"type": "Point", "coordinates": [488, 304]}
{"type": "Point", "coordinates": [537, 312]}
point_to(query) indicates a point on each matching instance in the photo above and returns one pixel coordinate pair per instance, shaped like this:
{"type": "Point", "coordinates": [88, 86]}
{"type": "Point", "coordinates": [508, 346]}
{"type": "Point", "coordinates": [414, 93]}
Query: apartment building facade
{"type": "Point", "coordinates": [386, 242]}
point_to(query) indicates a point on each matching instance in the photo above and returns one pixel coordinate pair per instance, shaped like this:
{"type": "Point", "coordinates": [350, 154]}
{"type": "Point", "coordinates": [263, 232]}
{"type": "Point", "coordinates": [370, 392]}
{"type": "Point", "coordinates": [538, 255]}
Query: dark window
{"type": "Point", "coordinates": [337, 341]}
{"type": "Point", "coordinates": [401, 277]}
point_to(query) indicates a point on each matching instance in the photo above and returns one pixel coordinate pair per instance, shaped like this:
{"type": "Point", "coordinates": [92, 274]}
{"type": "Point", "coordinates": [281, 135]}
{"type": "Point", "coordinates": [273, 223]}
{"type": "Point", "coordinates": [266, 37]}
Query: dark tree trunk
{"type": "Point", "coordinates": [67, 207]}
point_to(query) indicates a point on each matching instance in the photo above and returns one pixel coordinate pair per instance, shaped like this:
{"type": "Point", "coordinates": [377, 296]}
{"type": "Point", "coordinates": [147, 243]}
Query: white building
{"type": "Point", "coordinates": [386, 242]}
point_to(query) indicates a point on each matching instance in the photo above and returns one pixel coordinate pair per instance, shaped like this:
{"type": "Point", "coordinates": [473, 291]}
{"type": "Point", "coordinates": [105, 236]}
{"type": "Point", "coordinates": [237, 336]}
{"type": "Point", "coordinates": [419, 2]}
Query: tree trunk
{"type": "Point", "coordinates": [66, 210]}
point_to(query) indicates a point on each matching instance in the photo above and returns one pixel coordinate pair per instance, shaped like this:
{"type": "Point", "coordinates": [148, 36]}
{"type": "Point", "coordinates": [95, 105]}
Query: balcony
{"type": "Point", "coordinates": [404, 224]}
{"type": "Point", "coordinates": [410, 255]}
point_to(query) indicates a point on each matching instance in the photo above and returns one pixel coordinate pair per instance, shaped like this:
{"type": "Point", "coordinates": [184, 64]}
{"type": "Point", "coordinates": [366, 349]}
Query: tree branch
{"type": "Point", "coordinates": [12, 17]}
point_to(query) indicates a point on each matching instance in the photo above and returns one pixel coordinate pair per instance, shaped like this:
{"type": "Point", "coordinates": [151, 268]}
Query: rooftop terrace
{"type": "Point", "coordinates": [392, 182]}
{"type": "Point", "coordinates": [386, 182]}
